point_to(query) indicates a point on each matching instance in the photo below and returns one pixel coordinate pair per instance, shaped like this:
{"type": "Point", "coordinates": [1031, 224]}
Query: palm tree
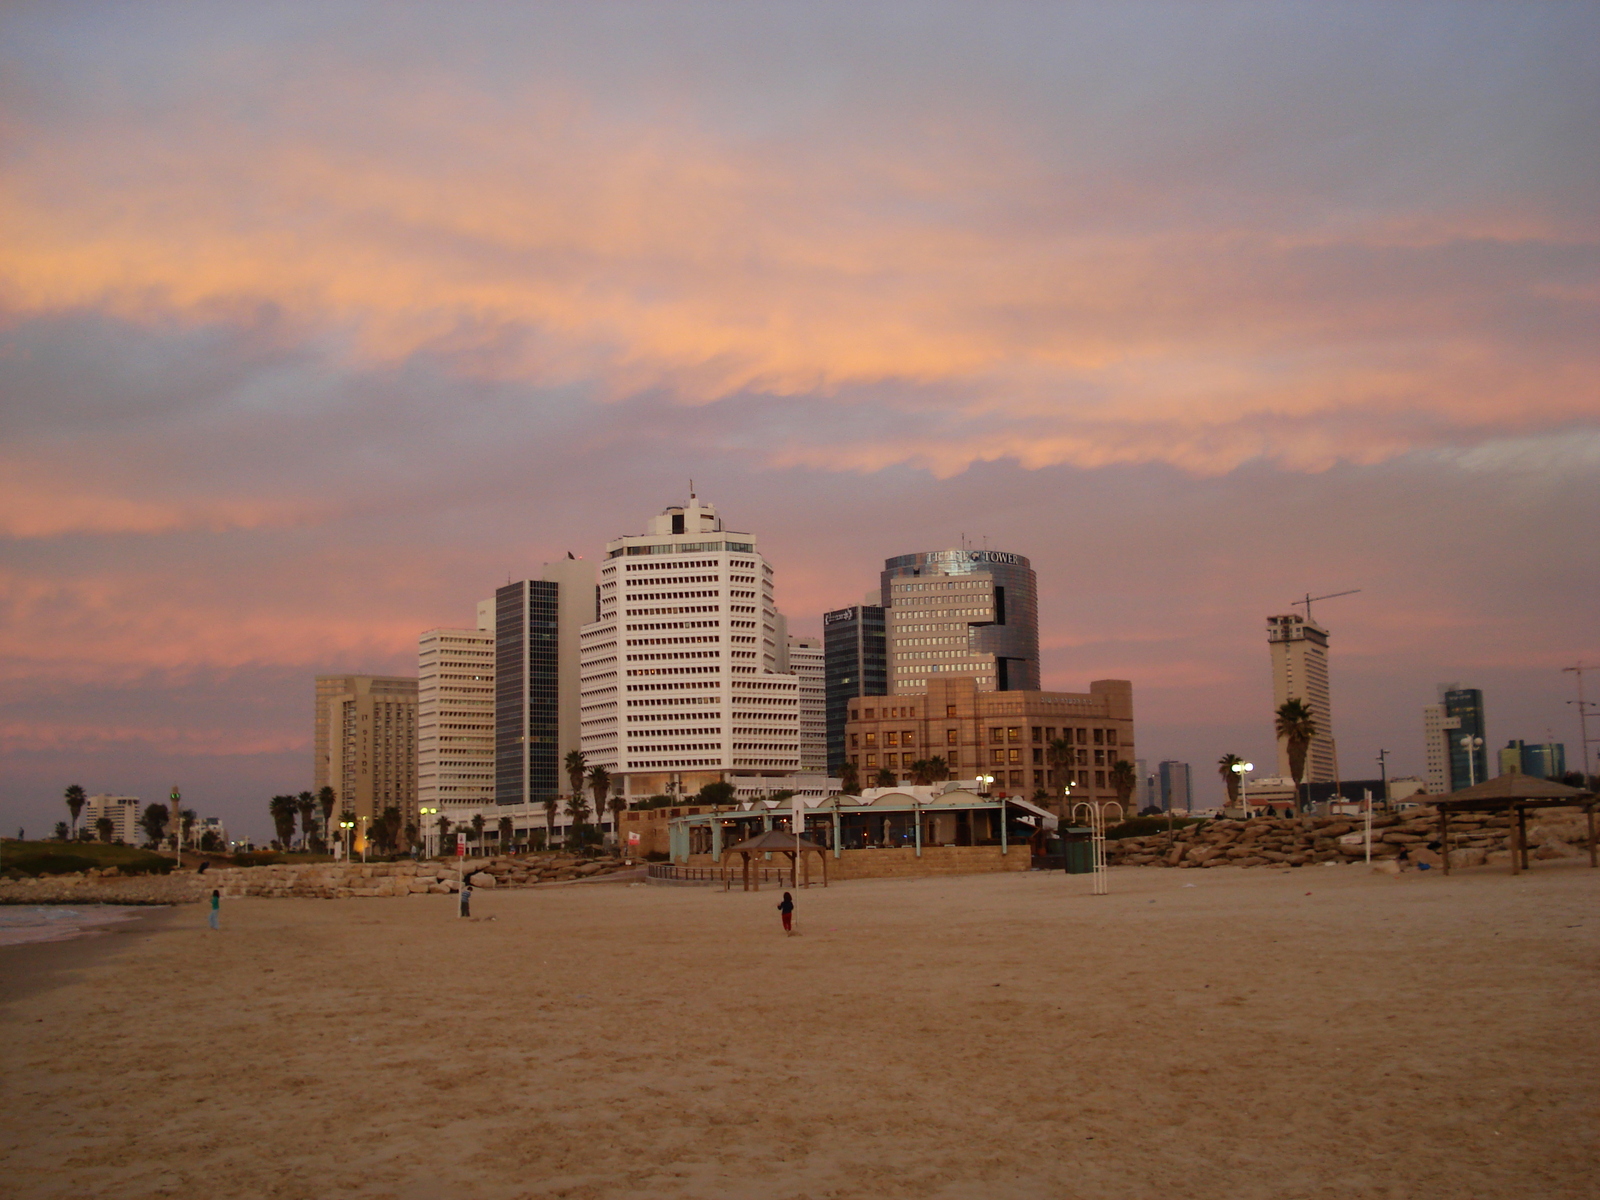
{"type": "Point", "coordinates": [884, 778]}
{"type": "Point", "coordinates": [413, 838]}
{"type": "Point", "coordinates": [445, 826]}
{"type": "Point", "coordinates": [551, 803]}
{"type": "Point", "coordinates": [938, 769]}
{"type": "Point", "coordinates": [104, 828]}
{"type": "Point", "coordinates": [850, 779]}
{"type": "Point", "coordinates": [599, 785]}
{"type": "Point", "coordinates": [328, 799]}
{"type": "Point", "coordinates": [921, 774]}
{"type": "Point", "coordinates": [577, 765]}
{"type": "Point", "coordinates": [619, 805]}
{"type": "Point", "coordinates": [282, 809]}
{"type": "Point", "coordinates": [578, 810]}
{"type": "Point", "coordinates": [1124, 779]}
{"type": "Point", "coordinates": [477, 830]}
{"type": "Point", "coordinates": [75, 800]}
{"type": "Point", "coordinates": [1230, 778]}
{"type": "Point", "coordinates": [154, 822]}
{"type": "Point", "coordinates": [504, 825]}
{"type": "Point", "coordinates": [188, 816]}
{"type": "Point", "coordinates": [1297, 726]}
{"type": "Point", "coordinates": [306, 803]}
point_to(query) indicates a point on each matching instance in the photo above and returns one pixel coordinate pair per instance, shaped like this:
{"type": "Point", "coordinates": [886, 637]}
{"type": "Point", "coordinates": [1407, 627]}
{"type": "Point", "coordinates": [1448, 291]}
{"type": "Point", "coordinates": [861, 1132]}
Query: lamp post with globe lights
{"type": "Point", "coordinates": [1241, 769]}
{"type": "Point", "coordinates": [1472, 745]}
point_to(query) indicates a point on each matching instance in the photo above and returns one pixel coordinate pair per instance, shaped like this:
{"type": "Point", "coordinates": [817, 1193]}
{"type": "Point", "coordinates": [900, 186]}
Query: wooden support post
{"type": "Point", "coordinates": [1522, 836]}
{"type": "Point", "coordinates": [1589, 808]}
{"type": "Point", "coordinates": [1514, 841]}
{"type": "Point", "coordinates": [1444, 837]}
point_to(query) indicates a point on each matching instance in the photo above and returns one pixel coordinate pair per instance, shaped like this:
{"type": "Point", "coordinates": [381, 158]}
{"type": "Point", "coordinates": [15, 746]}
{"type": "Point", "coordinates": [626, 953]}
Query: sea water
{"type": "Point", "coordinates": [57, 922]}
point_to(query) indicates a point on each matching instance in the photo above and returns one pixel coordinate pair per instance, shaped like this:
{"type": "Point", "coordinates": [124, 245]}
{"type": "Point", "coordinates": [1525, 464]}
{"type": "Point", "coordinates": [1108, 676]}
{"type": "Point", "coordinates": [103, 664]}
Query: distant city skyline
{"type": "Point", "coordinates": [1202, 308]}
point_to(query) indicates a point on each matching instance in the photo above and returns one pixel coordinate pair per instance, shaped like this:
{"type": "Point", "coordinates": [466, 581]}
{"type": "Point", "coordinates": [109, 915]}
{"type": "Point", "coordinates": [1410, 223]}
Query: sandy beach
{"type": "Point", "coordinates": [1318, 1032]}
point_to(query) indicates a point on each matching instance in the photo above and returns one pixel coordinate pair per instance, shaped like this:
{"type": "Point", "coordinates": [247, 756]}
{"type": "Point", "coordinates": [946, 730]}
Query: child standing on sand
{"type": "Point", "coordinates": [466, 898]}
{"type": "Point", "coordinates": [216, 909]}
{"type": "Point", "coordinates": [786, 907]}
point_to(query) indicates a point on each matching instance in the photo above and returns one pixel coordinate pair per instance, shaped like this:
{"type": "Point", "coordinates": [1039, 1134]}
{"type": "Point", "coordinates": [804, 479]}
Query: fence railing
{"type": "Point", "coordinates": [673, 873]}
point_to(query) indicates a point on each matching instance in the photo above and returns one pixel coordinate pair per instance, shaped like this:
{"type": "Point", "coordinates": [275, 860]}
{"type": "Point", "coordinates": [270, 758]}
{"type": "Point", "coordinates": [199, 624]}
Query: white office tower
{"type": "Point", "coordinates": [455, 719]}
{"type": "Point", "coordinates": [681, 675]}
{"type": "Point", "coordinates": [805, 664]}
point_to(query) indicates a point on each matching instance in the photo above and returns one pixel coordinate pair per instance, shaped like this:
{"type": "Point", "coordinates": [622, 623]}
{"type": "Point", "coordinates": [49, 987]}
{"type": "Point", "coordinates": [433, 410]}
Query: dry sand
{"type": "Point", "coordinates": [1319, 1032]}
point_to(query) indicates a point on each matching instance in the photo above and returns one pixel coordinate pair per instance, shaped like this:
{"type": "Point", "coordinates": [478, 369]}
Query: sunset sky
{"type": "Point", "coordinates": [318, 322]}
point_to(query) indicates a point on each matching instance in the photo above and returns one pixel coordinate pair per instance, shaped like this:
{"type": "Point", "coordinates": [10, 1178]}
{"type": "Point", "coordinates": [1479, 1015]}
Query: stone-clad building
{"type": "Point", "coordinates": [1003, 734]}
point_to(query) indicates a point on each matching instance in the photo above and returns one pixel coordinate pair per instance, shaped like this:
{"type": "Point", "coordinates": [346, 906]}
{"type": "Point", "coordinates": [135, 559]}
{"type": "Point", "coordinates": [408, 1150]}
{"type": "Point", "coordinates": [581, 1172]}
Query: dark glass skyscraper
{"type": "Point", "coordinates": [854, 664]}
{"type": "Point", "coordinates": [1463, 709]}
{"type": "Point", "coordinates": [527, 718]}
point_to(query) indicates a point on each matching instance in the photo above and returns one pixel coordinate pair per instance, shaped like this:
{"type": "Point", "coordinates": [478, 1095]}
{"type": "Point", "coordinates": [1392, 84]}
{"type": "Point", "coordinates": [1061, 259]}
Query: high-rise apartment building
{"type": "Point", "coordinates": [1005, 735]}
{"type": "Point", "coordinates": [1177, 790]}
{"type": "Point", "coordinates": [455, 718]}
{"type": "Point", "coordinates": [122, 811]}
{"type": "Point", "coordinates": [1299, 650]}
{"type": "Point", "coordinates": [365, 745]}
{"type": "Point", "coordinates": [1435, 749]}
{"type": "Point", "coordinates": [961, 612]}
{"type": "Point", "coordinates": [854, 664]}
{"type": "Point", "coordinates": [538, 667]}
{"type": "Point", "coordinates": [805, 663]}
{"type": "Point", "coordinates": [681, 679]}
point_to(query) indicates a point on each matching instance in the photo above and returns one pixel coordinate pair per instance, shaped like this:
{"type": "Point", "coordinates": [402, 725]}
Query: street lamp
{"type": "Point", "coordinates": [986, 781]}
{"type": "Point", "coordinates": [1241, 769]}
{"type": "Point", "coordinates": [347, 825]}
{"type": "Point", "coordinates": [1471, 745]}
{"type": "Point", "coordinates": [430, 812]}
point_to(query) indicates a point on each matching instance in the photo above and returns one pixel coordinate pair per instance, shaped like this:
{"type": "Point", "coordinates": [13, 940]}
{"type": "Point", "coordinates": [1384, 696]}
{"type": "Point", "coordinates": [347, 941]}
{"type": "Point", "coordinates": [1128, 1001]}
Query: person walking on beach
{"type": "Point", "coordinates": [466, 898]}
{"type": "Point", "coordinates": [786, 907]}
{"type": "Point", "coordinates": [216, 909]}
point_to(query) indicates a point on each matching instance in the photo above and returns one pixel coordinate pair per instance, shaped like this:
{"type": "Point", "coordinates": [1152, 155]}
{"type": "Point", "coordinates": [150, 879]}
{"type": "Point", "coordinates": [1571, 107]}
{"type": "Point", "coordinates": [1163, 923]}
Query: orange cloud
{"type": "Point", "coordinates": [538, 241]}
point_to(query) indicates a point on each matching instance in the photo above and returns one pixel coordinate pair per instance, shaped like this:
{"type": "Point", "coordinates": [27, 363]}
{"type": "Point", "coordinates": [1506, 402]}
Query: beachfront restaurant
{"type": "Point", "coordinates": [891, 828]}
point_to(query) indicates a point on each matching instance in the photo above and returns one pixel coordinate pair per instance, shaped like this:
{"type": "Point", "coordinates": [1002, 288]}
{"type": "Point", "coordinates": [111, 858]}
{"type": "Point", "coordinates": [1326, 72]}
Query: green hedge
{"type": "Point", "coordinates": [63, 858]}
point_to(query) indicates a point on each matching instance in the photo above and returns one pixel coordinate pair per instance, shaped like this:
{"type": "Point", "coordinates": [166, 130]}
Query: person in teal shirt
{"type": "Point", "coordinates": [216, 910]}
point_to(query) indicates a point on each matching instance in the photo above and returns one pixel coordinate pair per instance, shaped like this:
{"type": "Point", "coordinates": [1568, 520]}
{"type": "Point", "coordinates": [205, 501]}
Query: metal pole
{"type": "Point", "coordinates": [1369, 826]}
{"type": "Point", "coordinates": [1583, 718]}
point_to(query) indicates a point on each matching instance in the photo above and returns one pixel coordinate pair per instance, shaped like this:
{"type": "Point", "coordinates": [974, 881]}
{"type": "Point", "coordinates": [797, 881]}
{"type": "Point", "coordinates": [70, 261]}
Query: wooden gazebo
{"type": "Point", "coordinates": [775, 841]}
{"type": "Point", "coordinates": [1515, 794]}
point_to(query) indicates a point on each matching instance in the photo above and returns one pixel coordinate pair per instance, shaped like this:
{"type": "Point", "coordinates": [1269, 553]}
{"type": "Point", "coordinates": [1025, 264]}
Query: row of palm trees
{"type": "Point", "coordinates": [305, 807]}
{"type": "Point", "coordinates": [1296, 726]}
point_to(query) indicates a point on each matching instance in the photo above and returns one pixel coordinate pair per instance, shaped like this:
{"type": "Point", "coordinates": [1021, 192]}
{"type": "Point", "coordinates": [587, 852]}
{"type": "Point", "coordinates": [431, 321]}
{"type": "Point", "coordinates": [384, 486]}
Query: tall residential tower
{"type": "Point", "coordinates": [1299, 649]}
{"type": "Point", "coordinates": [681, 672]}
{"type": "Point", "coordinates": [455, 718]}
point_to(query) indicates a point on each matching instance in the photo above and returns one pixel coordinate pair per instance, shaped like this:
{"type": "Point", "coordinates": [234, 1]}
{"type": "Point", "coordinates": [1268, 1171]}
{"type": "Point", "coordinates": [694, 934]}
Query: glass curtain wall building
{"type": "Point", "coordinates": [854, 664]}
{"type": "Point", "coordinates": [527, 684]}
{"type": "Point", "coordinates": [963, 612]}
{"type": "Point", "coordinates": [1464, 719]}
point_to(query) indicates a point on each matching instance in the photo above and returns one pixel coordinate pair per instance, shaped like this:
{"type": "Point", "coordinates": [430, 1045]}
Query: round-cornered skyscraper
{"type": "Point", "coordinates": [961, 612]}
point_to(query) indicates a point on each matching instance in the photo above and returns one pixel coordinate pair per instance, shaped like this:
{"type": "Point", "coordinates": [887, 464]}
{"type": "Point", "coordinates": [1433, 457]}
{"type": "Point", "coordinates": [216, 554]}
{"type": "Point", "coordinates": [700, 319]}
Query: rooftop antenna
{"type": "Point", "coordinates": [1307, 602]}
{"type": "Point", "coordinates": [691, 489]}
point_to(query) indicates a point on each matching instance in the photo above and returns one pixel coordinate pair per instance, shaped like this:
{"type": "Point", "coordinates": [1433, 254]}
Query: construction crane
{"type": "Point", "coordinates": [1310, 598]}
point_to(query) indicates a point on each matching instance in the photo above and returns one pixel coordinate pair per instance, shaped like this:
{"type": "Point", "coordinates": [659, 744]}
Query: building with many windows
{"type": "Point", "coordinates": [805, 664]}
{"type": "Point", "coordinates": [455, 718]}
{"type": "Point", "coordinates": [365, 745]}
{"type": "Point", "coordinates": [538, 627]}
{"type": "Point", "coordinates": [122, 811]}
{"type": "Point", "coordinates": [854, 664]}
{"type": "Point", "coordinates": [1299, 650]}
{"type": "Point", "coordinates": [961, 612]}
{"type": "Point", "coordinates": [981, 732]}
{"type": "Point", "coordinates": [681, 678]}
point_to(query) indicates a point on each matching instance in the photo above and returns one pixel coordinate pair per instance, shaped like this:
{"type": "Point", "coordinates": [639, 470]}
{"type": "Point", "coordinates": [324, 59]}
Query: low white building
{"type": "Point", "coordinates": [124, 812]}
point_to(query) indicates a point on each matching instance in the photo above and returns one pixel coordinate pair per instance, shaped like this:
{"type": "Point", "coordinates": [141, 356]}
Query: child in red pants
{"type": "Point", "coordinates": [786, 907]}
